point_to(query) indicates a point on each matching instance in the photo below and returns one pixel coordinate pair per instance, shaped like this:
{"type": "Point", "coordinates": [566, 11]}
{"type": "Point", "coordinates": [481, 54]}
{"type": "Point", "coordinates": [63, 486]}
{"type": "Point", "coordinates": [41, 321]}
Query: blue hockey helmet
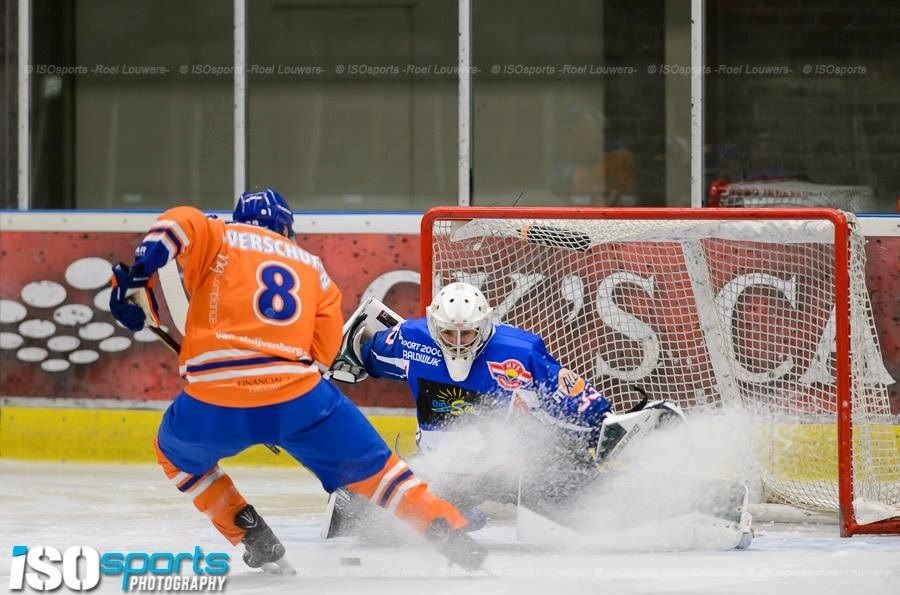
{"type": "Point", "coordinates": [265, 208]}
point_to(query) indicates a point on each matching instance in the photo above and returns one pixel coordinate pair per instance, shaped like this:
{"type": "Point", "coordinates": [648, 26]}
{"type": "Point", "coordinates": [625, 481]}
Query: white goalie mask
{"type": "Point", "coordinates": [459, 321]}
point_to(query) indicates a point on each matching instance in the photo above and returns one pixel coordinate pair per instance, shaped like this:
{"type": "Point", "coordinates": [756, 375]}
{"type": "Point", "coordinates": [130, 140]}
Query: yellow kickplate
{"type": "Point", "coordinates": [126, 436]}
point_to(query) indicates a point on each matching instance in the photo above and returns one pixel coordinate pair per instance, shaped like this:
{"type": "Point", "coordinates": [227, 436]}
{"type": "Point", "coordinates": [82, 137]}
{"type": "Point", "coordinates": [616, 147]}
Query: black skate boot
{"type": "Point", "coordinates": [456, 546]}
{"type": "Point", "coordinates": [263, 549]}
{"type": "Point", "coordinates": [476, 519]}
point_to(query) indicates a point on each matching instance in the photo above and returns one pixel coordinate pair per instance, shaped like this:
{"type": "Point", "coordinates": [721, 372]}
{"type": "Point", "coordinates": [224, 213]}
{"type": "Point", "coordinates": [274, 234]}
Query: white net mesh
{"type": "Point", "coordinates": [797, 193]}
{"type": "Point", "coordinates": [703, 313]}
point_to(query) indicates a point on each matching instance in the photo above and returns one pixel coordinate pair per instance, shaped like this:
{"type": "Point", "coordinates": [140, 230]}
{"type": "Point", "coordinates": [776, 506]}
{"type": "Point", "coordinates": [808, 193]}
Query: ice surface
{"type": "Point", "coordinates": [131, 508]}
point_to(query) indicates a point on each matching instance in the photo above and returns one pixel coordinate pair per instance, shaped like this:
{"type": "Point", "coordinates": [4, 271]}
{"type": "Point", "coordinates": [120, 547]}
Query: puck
{"type": "Point", "coordinates": [351, 562]}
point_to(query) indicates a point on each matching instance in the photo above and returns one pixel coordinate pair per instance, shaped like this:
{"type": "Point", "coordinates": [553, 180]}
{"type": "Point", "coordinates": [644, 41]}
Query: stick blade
{"type": "Point", "coordinates": [555, 237]}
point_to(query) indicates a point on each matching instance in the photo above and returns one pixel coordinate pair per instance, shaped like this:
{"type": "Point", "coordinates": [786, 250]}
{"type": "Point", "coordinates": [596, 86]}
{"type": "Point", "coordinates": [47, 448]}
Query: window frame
{"type": "Point", "coordinates": [464, 114]}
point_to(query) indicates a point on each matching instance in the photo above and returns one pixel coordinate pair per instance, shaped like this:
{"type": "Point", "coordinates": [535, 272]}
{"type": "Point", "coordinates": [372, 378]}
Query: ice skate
{"type": "Point", "coordinates": [458, 547]}
{"type": "Point", "coordinates": [263, 549]}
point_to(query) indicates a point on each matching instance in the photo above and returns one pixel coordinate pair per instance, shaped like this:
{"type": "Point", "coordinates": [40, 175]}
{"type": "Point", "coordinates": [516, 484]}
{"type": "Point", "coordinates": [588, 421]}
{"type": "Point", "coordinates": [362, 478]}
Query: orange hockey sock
{"type": "Point", "coordinates": [397, 489]}
{"type": "Point", "coordinates": [213, 494]}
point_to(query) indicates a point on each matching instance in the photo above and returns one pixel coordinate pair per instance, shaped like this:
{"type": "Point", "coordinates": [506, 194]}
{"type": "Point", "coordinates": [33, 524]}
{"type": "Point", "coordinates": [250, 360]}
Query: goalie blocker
{"type": "Point", "coordinates": [370, 317]}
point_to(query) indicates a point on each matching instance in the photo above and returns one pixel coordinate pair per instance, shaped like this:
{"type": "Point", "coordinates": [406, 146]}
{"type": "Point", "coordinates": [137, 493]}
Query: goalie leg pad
{"type": "Point", "coordinates": [345, 514]}
{"type": "Point", "coordinates": [709, 516]}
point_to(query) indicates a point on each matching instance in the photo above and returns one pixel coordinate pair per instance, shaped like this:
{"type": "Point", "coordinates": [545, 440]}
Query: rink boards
{"type": "Point", "coordinates": [113, 404]}
{"type": "Point", "coordinates": [64, 431]}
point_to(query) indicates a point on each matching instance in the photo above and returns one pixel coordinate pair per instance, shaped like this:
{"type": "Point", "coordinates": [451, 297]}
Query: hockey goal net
{"type": "Point", "coordinates": [791, 193]}
{"type": "Point", "coordinates": [761, 309]}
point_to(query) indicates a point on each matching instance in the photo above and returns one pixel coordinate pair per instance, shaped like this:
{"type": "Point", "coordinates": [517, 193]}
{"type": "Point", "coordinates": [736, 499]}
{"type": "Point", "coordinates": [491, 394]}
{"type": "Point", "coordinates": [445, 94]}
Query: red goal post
{"type": "Point", "coordinates": [763, 257]}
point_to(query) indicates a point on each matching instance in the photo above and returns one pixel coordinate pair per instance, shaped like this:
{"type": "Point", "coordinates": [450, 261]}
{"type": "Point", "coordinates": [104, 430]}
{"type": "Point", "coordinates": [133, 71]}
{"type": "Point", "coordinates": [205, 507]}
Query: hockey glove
{"type": "Point", "coordinates": [619, 429]}
{"type": "Point", "coordinates": [131, 300]}
{"type": "Point", "coordinates": [345, 371]}
{"type": "Point", "coordinates": [347, 366]}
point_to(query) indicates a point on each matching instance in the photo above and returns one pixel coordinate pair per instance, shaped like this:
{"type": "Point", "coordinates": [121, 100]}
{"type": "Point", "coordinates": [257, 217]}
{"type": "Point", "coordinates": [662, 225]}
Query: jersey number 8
{"type": "Point", "coordinates": [277, 299]}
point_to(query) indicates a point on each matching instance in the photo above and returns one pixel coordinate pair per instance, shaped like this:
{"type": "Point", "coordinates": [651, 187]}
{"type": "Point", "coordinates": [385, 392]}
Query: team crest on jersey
{"type": "Point", "coordinates": [510, 374]}
{"type": "Point", "coordinates": [440, 404]}
{"type": "Point", "coordinates": [452, 400]}
{"type": "Point", "coordinates": [570, 383]}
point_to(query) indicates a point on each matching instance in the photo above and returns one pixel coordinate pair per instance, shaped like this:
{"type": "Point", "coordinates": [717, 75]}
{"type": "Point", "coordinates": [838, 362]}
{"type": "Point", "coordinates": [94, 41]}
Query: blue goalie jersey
{"type": "Point", "coordinates": [512, 368]}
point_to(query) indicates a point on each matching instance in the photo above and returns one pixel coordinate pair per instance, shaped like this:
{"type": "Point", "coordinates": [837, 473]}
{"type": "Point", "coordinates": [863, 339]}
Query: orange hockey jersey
{"type": "Point", "coordinates": [263, 311]}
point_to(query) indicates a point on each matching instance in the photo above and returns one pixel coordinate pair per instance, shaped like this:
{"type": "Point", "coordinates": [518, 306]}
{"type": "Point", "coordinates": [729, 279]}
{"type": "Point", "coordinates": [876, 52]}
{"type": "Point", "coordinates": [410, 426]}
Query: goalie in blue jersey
{"type": "Point", "coordinates": [464, 372]}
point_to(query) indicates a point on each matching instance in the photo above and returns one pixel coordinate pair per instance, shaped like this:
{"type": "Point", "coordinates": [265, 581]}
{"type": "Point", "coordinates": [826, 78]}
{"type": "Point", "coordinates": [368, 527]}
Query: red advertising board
{"type": "Point", "coordinates": [57, 338]}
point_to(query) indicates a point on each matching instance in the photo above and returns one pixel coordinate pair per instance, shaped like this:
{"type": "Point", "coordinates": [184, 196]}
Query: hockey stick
{"type": "Point", "coordinates": [166, 338]}
{"type": "Point", "coordinates": [540, 234]}
{"type": "Point", "coordinates": [174, 294]}
{"type": "Point", "coordinates": [175, 346]}
{"type": "Point", "coordinates": [176, 300]}
{"type": "Point", "coordinates": [554, 237]}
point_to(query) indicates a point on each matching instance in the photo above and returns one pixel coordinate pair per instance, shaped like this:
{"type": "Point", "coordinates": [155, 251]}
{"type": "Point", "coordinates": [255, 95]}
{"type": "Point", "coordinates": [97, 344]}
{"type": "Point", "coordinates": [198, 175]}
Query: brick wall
{"type": "Point", "coordinates": [837, 129]}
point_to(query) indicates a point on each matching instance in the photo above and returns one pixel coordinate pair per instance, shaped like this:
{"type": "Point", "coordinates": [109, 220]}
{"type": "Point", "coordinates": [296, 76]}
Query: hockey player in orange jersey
{"type": "Point", "coordinates": [264, 318]}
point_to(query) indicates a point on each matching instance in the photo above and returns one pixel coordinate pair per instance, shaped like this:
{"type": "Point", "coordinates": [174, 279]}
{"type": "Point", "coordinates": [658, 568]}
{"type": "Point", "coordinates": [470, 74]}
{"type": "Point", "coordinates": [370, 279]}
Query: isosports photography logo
{"type": "Point", "coordinates": [81, 568]}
